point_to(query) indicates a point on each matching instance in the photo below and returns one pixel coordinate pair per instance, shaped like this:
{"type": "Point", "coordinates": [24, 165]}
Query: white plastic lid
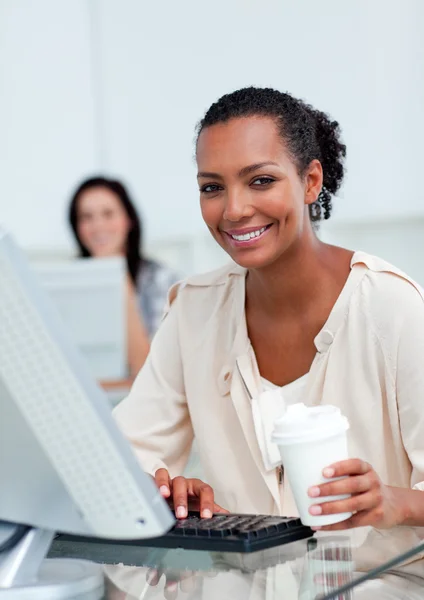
{"type": "Point", "coordinates": [301, 423]}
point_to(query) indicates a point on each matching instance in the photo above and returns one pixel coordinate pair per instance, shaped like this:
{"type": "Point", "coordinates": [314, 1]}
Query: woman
{"type": "Point", "coordinates": [325, 324]}
{"type": "Point", "coordinates": [105, 223]}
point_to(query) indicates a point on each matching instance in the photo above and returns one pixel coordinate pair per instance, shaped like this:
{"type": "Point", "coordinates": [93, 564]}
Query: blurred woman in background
{"type": "Point", "coordinates": [105, 223]}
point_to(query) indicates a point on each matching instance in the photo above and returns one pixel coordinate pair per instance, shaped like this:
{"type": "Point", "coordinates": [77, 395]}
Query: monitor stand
{"type": "Point", "coordinates": [26, 574]}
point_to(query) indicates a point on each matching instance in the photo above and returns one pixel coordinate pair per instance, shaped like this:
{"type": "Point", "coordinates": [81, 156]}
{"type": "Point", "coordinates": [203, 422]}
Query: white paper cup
{"type": "Point", "coordinates": [309, 440]}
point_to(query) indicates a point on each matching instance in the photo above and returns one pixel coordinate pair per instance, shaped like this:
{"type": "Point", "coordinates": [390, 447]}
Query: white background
{"type": "Point", "coordinates": [90, 86]}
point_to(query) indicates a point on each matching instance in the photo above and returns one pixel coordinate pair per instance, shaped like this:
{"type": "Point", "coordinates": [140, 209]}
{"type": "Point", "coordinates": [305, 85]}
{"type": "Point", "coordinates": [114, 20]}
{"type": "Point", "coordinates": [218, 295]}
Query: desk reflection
{"type": "Point", "coordinates": [291, 574]}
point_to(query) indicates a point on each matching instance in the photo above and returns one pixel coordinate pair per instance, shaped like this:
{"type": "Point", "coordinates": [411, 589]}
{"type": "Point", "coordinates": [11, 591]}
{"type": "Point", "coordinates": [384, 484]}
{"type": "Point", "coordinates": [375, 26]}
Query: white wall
{"type": "Point", "coordinates": [400, 240]}
{"type": "Point", "coordinates": [47, 114]}
{"type": "Point", "coordinates": [358, 60]}
{"type": "Point", "coordinates": [91, 85]}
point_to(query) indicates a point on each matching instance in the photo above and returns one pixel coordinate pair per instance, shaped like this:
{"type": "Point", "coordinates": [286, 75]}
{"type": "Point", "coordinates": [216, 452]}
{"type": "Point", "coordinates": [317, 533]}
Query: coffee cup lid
{"type": "Point", "coordinates": [301, 423]}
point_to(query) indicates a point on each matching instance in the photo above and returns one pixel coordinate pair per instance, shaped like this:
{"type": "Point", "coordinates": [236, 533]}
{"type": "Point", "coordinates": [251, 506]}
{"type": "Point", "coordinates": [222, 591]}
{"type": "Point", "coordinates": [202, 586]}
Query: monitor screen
{"type": "Point", "coordinates": [89, 295]}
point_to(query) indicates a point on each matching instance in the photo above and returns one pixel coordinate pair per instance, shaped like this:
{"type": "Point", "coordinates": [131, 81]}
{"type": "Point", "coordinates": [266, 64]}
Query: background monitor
{"type": "Point", "coordinates": [89, 295]}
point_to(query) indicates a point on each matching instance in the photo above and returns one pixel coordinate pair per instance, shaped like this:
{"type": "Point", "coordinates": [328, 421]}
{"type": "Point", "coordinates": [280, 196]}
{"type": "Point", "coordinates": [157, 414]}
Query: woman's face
{"type": "Point", "coordinates": [102, 222]}
{"type": "Point", "coordinates": [252, 198]}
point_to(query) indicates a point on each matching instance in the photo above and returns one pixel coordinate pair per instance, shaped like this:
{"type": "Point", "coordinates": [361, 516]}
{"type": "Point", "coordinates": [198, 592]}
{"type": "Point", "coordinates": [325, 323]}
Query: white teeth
{"type": "Point", "coordinates": [248, 236]}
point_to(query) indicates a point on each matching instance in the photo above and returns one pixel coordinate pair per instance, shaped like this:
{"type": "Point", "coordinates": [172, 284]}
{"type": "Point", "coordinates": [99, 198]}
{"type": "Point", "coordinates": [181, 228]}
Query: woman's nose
{"type": "Point", "coordinates": [237, 207]}
{"type": "Point", "coordinates": [98, 222]}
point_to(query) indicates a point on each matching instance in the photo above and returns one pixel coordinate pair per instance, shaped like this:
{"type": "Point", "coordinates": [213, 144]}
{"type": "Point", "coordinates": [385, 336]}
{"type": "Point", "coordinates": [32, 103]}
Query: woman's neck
{"type": "Point", "coordinates": [310, 273]}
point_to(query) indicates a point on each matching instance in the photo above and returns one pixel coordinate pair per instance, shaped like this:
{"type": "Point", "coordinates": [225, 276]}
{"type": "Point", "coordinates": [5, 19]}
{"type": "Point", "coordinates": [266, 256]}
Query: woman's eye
{"type": "Point", "coordinates": [263, 181]}
{"type": "Point", "coordinates": [210, 188]}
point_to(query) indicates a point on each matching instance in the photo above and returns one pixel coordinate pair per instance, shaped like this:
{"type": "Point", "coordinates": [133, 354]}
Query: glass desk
{"type": "Point", "coordinates": [304, 570]}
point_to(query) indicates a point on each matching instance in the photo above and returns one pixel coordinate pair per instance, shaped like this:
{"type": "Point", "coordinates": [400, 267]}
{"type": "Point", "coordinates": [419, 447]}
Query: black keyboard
{"type": "Point", "coordinates": [221, 533]}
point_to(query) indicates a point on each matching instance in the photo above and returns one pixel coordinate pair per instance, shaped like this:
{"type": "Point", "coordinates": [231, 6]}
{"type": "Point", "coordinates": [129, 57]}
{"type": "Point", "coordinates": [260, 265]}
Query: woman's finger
{"type": "Point", "coordinates": [361, 502]}
{"type": "Point", "coordinates": [348, 485]}
{"type": "Point", "coordinates": [206, 497]}
{"type": "Point", "coordinates": [179, 496]}
{"type": "Point", "coordinates": [353, 466]}
{"type": "Point", "coordinates": [170, 591]}
{"type": "Point", "coordinates": [163, 481]}
{"type": "Point", "coordinates": [220, 509]}
{"type": "Point", "coordinates": [361, 519]}
{"type": "Point", "coordinates": [188, 582]}
{"type": "Point", "coordinates": [194, 505]}
{"type": "Point", "coordinates": [207, 503]}
{"type": "Point", "coordinates": [153, 576]}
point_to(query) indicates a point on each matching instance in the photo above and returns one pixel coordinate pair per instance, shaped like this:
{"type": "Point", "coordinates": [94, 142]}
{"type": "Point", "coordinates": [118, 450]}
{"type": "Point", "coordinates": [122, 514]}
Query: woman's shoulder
{"type": "Point", "coordinates": [387, 291]}
{"type": "Point", "coordinates": [199, 293]}
{"type": "Point", "coordinates": [218, 277]}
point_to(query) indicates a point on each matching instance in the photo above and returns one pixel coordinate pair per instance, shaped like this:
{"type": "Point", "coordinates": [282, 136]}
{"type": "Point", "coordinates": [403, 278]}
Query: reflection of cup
{"type": "Point", "coordinates": [327, 568]}
{"type": "Point", "coordinates": [310, 439]}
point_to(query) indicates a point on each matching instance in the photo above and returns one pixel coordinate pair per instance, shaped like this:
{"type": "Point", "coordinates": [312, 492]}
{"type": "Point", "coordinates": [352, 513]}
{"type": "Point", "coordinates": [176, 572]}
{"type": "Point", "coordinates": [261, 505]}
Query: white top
{"type": "Point", "coordinates": [201, 376]}
{"type": "Point", "coordinates": [293, 391]}
{"type": "Point", "coordinates": [267, 407]}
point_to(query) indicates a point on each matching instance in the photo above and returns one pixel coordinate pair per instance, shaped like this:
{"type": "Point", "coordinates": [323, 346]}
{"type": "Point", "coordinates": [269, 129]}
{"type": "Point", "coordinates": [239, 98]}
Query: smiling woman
{"type": "Point", "coordinates": [105, 223]}
{"type": "Point", "coordinates": [325, 325]}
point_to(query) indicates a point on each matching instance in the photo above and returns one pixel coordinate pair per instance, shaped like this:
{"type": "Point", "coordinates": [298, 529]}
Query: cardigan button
{"type": "Point", "coordinates": [325, 340]}
{"type": "Point", "coordinates": [224, 380]}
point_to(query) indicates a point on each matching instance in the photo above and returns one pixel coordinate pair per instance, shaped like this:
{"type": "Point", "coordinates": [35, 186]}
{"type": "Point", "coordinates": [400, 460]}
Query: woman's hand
{"type": "Point", "coordinates": [372, 503]}
{"type": "Point", "coordinates": [189, 582]}
{"type": "Point", "coordinates": [187, 494]}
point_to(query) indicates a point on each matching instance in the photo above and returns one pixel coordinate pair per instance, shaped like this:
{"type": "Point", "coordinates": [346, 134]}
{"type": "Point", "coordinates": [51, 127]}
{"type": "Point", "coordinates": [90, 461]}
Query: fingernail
{"type": "Point", "coordinates": [151, 575]}
{"type": "Point", "coordinates": [316, 528]}
{"type": "Point", "coordinates": [314, 492]}
{"type": "Point", "coordinates": [164, 490]}
{"type": "Point", "coordinates": [207, 514]}
{"type": "Point", "coordinates": [181, 512]}
{"type": "Point", "coordinates": [315, 510]}
{"type": "Point", "coordinates": [328, 472]}
{"type": "Point", "coordinates": [171, 587]}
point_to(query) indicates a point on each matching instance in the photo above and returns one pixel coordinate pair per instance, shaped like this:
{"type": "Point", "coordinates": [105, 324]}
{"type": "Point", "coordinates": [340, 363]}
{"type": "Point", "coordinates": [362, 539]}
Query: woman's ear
{"type": "Point", "coordinates": [313, 182]}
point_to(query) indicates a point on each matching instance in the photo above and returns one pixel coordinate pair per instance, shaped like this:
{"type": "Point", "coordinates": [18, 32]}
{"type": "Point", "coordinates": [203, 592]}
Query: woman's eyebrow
{"type": "Point", "coordinates": [243, 171]}
{"type": "Point", "coordinates": [208, 174]}
{"type": "Point", "coordinates": [256, 166]}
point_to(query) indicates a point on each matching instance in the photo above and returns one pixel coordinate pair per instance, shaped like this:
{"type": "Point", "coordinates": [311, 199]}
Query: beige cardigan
{"type": "Point", "coordinates": [201, 374]}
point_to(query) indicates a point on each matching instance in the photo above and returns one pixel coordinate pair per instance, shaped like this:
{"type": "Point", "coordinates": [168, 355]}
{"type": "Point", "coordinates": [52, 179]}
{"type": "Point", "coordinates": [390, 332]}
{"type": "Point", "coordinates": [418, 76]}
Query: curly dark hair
{"type": "Point", "coordinates": [308, 134]}
{"type": "Point", "coordinates": [134, 255]}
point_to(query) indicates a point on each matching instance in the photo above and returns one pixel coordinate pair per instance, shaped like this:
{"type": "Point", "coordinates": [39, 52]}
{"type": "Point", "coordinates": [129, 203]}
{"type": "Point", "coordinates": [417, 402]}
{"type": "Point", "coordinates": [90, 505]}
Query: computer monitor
{"type": "Point", "coordinates": [64, 465]}
{"type": "Point", "coordinates": [89, 294]}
